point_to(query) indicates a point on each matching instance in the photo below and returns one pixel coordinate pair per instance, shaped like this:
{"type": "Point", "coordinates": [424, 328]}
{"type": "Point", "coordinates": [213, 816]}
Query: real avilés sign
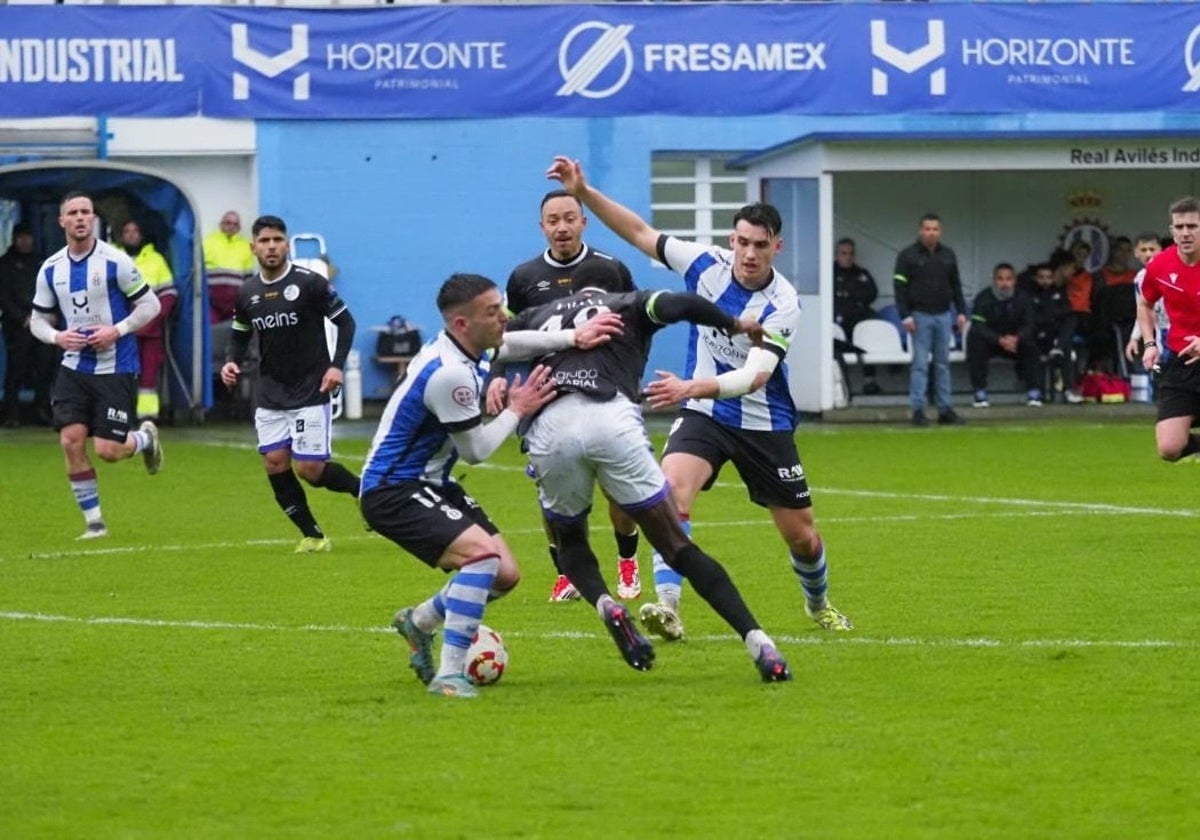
{"type": "Point", "coordinates": [609, 60]}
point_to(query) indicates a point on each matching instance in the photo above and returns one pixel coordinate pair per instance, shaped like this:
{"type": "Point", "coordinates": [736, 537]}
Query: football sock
{"type": "Point", "coordinates": [465, 596]}
{"type": "Point", "coordinates": [289, 495]}
{"type": "Point", "coordinates": [580, 565]}
{"type": "Point", "coordinates": [627, 544]}
{"type": "Point", "coordinates": [87, 494]}
{"type": "Point", "coordinates": [141, 441]}
{"type": "Point", "coordinates": [668, 583]}
{"type": "Point", "coordinates": [430, 613]}
{"type": "Point", "coordinates": [712, 583]}
{"type": "Point", "coordinates": [603, 603]}
{"type": "Point", "coordinates": [553, 549]}
{"type": "Point", "coordinates": [756, 640]}
{"type": "Point", "coordinates": [814, 577]}
{"type": "Point", "coordinates": [337, 478]}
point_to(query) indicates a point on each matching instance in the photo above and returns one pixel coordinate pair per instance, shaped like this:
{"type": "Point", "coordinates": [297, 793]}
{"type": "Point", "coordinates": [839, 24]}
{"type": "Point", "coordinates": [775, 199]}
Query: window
{"type": "Point", "coordinates": [695, 197]}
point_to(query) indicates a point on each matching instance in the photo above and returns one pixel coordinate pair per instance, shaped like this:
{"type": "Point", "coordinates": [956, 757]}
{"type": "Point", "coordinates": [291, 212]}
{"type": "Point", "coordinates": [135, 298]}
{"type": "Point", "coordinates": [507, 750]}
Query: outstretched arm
{"type": "Point", "coordinates": [618, 218]}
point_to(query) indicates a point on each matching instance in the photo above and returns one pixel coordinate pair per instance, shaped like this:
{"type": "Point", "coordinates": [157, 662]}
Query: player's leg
{"type": "Point", "coordinates": [769, 464]}
{"type": "Point", "coordinates": [629, 579]}
{"type": "Point", "coordinates": [312, 451]}
{"type": "Point", "coordinates": [446, 529]}
{"type": "Point", "coordinates": [695, 451]}
{"type": "Point", "coordinates": [559, 443]}
{"type": "Point", "coordinates": [274, 430]}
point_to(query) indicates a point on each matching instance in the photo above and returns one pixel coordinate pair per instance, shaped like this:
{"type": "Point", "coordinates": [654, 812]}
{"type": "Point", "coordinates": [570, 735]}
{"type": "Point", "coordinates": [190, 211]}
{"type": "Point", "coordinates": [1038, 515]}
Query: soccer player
{"type": "Point", "coordinates": [549, 277]}
{"type": "Point", "coordinates": [594, 432]}
{"type": "Point", "coordinates": [94, 290]}
{"type": "Point", "coordinates": [287, 305]}
{"type": "Point", "coordinates": [408, 495]}
{"type": "Point", "coordinates": [1174, 278]}
{"type": "Point", "coordinates": [738, 407]}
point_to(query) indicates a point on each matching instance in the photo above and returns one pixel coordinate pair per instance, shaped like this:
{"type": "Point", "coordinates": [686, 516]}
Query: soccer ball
{"type": "Point", "coordinates": [487, 657]}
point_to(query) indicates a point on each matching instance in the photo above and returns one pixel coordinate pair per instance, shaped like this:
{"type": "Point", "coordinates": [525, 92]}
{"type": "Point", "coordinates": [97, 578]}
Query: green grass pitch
{"type": "Point", "coordinates": [1024, 662]}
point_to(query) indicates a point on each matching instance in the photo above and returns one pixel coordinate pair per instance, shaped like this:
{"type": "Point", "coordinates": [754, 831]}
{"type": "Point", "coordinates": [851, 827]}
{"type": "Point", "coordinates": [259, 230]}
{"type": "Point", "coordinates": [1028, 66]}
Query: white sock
{"type": "Point", "coordinates": [756, 640]}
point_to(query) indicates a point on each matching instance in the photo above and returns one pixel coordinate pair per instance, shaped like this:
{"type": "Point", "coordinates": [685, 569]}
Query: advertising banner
{"type": "Point", "coordinates": [440, 62]}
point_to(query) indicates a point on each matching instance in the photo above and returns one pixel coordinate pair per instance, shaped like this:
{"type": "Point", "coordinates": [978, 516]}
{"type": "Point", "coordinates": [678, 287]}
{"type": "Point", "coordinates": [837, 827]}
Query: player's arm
{"type": "Point", "coordinates": [530, 344]}
{"type": "Point", "coordinates": [456, 403]}
{"type": "Point", "coordinates": [618, 218]}
{"type": "Point", "coordinates": [238, 349]}
{"type": "Point", "coordinates": [761, 361]}
{"type": "Point", "coordinates": [1145, 322]}
{"type": "Point", "coordinates": [146, 307]}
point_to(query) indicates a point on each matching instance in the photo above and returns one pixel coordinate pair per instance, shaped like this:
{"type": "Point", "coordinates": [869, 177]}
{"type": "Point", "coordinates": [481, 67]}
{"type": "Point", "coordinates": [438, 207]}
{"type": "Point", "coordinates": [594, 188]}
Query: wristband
{"type": "Point", "coordinates": [1150, 344]}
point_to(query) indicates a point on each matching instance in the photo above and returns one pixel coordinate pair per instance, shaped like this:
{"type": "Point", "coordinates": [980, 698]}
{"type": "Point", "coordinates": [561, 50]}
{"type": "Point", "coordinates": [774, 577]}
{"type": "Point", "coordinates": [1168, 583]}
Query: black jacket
{"type": "Point", "coordinates": [992, 317]}
{"type": "Point", "coordinates": [18, 277]}
{"type": "Point", "coordinates": [927, 281]}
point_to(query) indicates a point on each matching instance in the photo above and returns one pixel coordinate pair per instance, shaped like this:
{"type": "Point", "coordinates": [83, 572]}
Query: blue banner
{"type": "Point", "coordinates": [439, 62]}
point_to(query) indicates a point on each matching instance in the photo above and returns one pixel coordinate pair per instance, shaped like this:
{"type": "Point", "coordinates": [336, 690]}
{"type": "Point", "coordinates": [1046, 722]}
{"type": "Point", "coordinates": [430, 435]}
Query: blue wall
{"type": "Point", "coordinates": [403, 204]}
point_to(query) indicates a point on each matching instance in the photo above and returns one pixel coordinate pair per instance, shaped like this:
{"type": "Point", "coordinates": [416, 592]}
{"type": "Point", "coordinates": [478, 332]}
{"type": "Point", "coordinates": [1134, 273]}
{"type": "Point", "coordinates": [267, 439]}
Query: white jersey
{"type": "Point", "coordinates": [707, 270]}
{"type": "Point", "coordinates": [92, 292]}
{"type": "Point", "coordinates": [439, 394]}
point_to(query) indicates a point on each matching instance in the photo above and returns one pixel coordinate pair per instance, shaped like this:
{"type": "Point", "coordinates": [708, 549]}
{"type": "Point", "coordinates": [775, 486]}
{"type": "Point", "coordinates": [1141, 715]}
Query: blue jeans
{"type": "Point", "coordinates": [932, 335]}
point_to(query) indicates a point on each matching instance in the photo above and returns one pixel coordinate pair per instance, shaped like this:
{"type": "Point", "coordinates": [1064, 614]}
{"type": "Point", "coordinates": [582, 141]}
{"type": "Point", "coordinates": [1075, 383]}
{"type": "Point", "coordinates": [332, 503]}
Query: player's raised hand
{"type": "Point", "coordinates": [567, 172]}
{"type": "Point", "coordinates": [751, 328]}
{"type": "Point", "coordinates": [526, 398]}
{"type": "Point", "coordinates": [494, 397]}
{"type": "Point", "coordinates": [598, 329]}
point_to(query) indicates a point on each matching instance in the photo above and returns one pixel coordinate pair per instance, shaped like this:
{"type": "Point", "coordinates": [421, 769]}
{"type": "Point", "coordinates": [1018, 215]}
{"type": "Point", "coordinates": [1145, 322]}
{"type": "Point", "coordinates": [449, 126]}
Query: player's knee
{"type": "Point", "coordinates": [310, 471]}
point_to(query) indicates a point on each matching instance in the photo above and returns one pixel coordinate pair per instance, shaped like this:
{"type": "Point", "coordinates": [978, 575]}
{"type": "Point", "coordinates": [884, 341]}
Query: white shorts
{"type": "Point", "coordinates": [306, 431]}
{"type": "Point", "coordinates": [577, 441]}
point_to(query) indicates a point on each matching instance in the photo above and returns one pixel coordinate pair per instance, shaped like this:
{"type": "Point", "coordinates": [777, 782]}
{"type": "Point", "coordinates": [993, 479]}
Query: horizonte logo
{"type": "Point", "coordinates": [73, 60]}
{"type": "Point", "coordinates": [417, 55]}
{"type": "Point", "coordinates": [1048, 52]}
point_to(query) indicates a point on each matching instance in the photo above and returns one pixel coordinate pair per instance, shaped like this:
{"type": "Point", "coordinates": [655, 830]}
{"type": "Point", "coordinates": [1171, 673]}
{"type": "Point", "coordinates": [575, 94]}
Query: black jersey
{"type": "Point", "coordinates": [616, 365]}
{"type": "Point", "coordinates": [288, 314]}
{"type": "Point", "coordinates": [544, 279]}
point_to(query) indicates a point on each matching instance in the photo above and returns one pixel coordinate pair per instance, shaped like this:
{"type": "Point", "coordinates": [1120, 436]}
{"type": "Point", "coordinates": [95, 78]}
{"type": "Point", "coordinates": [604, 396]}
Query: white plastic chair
{"type": "Point", "coordinates": [880, 342]}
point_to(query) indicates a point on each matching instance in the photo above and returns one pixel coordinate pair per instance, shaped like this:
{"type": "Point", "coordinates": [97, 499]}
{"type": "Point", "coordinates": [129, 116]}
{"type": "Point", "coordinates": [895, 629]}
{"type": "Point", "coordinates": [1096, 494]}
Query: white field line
{"type": "Point", "coordinates": [838, 639]}
{"type": "Point", "coordinates": [698, 526]}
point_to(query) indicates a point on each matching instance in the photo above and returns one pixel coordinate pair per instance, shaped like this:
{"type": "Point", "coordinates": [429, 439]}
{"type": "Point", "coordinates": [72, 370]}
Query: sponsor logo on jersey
{"type": "Point", "coordinates": [792, 473]}
{"type": "Point", "coordinates": [116, 415]}
{"type": "Point", "coordinates": [278, 320]}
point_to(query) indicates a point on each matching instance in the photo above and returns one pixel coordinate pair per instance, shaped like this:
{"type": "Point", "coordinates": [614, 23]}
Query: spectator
{"type": "Point", "coordinates": [29, 361]}
{"type": "Point", "coordinates": [1079, 285]}
{"type": "Point", "coordinates": [1054, 326]}
{"type": "Point", "coordinates": [228, 263]}
{"type": "Point", "coordinates": [1114, 304]}
{"type": "Point", "coordinates": [151, 339]}
{"type": "Point", "coordinates": [928, 290]}
{"type": "Point", "coordinates": [854, 290]}
{"type": "Point", "coordinates": [1002, 325]}
{"type": "Point", "coordinates": [1146, 246]}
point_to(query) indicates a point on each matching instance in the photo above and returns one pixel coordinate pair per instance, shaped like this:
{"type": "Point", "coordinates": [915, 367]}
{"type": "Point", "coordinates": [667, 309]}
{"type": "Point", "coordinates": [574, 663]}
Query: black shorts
{"type": "Point", "coordinates": [1178, 389]}
{"type": "Point", "coordinates": [104, 402]}
{"type": "Point", "coordinates": [422, 519]}
{"type": "Point", "coordinates": [767, 461]}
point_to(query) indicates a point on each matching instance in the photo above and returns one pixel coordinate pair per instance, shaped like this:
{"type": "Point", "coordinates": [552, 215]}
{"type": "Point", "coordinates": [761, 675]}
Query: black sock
{"type": "Point", "coordinates": [1193, 446]}
{"type": "Point", "coordinates": [337, 478]}
{"type": "Point", "coordinates": [289, 494]}
{"type": "Point", "coordinates": [579, 563]}
{"type": "Point", "coordinates": [627, 544]}
{"type": "Point", "coordinates": [712, 583]}
{"type": "Point", "coordinates": [553, 549]}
